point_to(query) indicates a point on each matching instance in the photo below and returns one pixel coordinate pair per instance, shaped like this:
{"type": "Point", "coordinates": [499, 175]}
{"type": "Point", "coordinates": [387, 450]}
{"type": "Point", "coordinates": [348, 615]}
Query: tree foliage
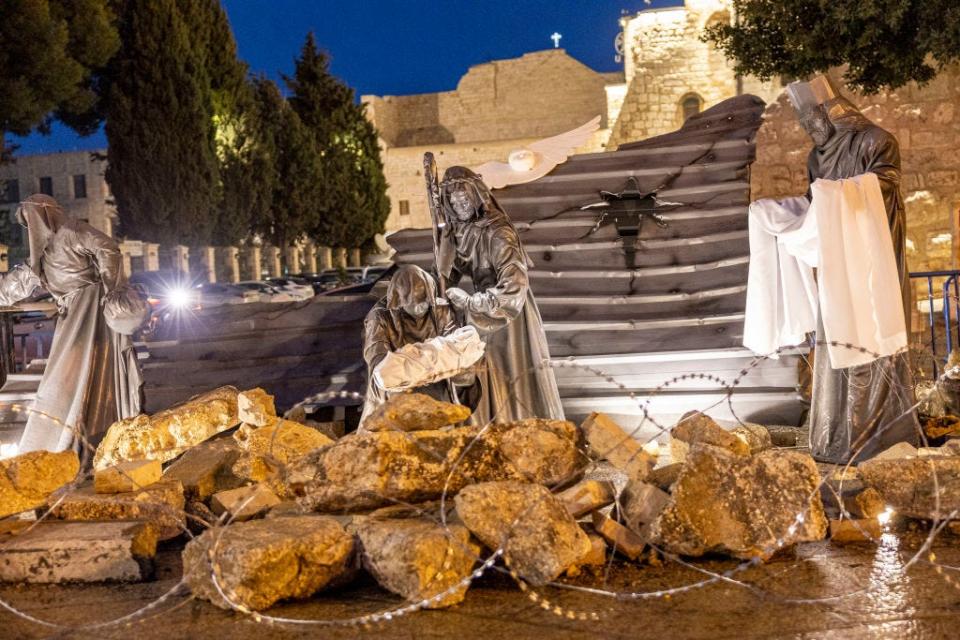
{"type": "Point", "coordinates": [50, 55]}
{"type": "Point", "coordinates": [355, 206]}
{"type": "Point", "coordinates": [885, 43]}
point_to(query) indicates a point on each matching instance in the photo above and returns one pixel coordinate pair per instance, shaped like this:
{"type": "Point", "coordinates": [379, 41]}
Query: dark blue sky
{"type": "Point", "coordinates": [396, 47]}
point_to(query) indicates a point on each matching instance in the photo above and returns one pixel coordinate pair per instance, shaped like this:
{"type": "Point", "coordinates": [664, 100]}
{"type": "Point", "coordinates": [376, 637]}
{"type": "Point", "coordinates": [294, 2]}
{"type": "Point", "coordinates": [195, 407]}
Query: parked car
{"type": "Point", "coordinates": [266, 291]}
{"type": "Point", "coordinates": [215, 293]}
{"type": "Point", "coordinates": [297, 287]}
{"type": "Point", "coordinates": [323, 281]}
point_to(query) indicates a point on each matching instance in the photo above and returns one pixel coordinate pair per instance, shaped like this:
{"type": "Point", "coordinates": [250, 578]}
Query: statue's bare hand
{"type": "Point", "coordinates": [458, 297]}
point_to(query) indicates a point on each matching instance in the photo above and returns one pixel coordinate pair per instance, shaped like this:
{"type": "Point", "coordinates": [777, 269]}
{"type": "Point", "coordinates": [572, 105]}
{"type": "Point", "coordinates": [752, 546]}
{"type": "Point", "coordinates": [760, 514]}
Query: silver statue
{"type": "Point", "coordinates": [871, 404]}
{"type": "Point", "coordinates": [92, 377]}
{"type": "Point", "coordinates": [478, 241]}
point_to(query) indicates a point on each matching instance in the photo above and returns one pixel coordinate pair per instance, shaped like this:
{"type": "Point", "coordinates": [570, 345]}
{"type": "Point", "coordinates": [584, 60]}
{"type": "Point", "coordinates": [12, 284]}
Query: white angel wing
{"type": "Point", "coordinates": [548, 153]}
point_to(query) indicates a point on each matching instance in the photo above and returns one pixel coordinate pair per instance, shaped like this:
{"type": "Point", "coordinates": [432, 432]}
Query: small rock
{"type": "Point", "coordinates": [165, 435]}
{"type": "Point", "coordinates": [161, 504]}
{"type": "Point", "coordinates": [756, 436]}
{"type": "Point", "coordinates": [334, 429]}
{"type": "Point", "coordinates": [927, 452]}
{"type": "Point", "coordinates": [618, 536]}
{"type": "Point", "coordinates": [285, 509]}
{"type": "Point", "coordinates": [846, 531]}
{"type": "Point", "coordinates": [596, 558]}
{"type": "Point", "coordinates": [665, 476]}
{"type": "Point", "coordinates": [244, 503]}
{"type": "Point", "coordinates": [55, 552]}
{"type": "Point", "coordinates": [897, 451]}
{"type": "Point", "coordinates": [206, 469]}
{"type": "Point", "coordinates": [418, 559]}
{"type": "Point", "coordinates": [129, 475]}
{"type": "Point", "coordinates": [261, 562]}
{"type": "Point", "coordinates": [255, 407]}
{"type": "Point", "coordinates": [739, 505]}
{"type": "Point", "coordinates": [867, 504]}
{"type": "Point", "coordinates": [414, 412]}
{"type": "Point", "coordinates": [698, 428]}
{"type": "Point", "coordinates": [608, 441]}
{"type": "Point", "coordinates": [27, 480]}
{"type": "Point", "coordinates": [587, 496]}
{"type": "Point", "coordinates": [540, 539]}
{"type": "Point", "coordinates": [641, 503]}
{"type": "Point", "coordinates": [911, 486]}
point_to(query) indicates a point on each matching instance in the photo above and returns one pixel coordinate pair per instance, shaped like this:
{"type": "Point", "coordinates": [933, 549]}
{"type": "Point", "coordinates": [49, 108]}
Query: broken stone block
{"type": "Point", "coordinates": [867, 504]}
{"type": "Point", "coordinates": [165, 435]}
{"type": "Point", "coordinates": [587, 496]}
{"type": "Point", "coordinates": [370, 470]}
{"type": "Point", "coordinates": [279, 443]}
{"type": "Point", "coordinates": [756, 436]}
{"type": "Point", "coordinates": [698, 428]}
{"type": "Point", "coordinates": [845, 531]}
{"type": "Point", "coordinates": [129, 475]}
{"type": "Point", "coordinates": [911, 486]}
{"type": "Point", "coordinates": [27, 480]}
{"type": "Point", "coordinates": [927, 452]}
{"type": "Point", "coordinates": [255, 407]}
{"type": "Point", "coordinates": [610, 442]}
{"type": "Point", "coordinates": [665, 476]}
{"type": "Point", "coordinates": [160, 504]}
{"type": "Point", "coordinates": [741, 506]}
{"type": "Point", "coordinates": [285, 509]}
{"type": "Point", "coordinates": [540, 539]}
{"type": "Point", "coordinates": [244, 503]}
{"type": "Point", "coordinates": [596, 558]}
{"type": "Point", "coordinates": [54, 552]}
{"type": "Point", "coordinates": [619, 538]}
{"type": "Point", "coordinates": [334, 429]}
{"type": "Point", "coordinates": [261, 562]}
{"type": "Point", "coordinates": [206, 469]}
{"type": "Point", "coordinates": [414, 412]}
{"type": "Point", "coordinates": [896, 452]}
{"type": "Point", "coordinates": [641, 503]}
{"type": "Point", "coordinates": [418, 559]}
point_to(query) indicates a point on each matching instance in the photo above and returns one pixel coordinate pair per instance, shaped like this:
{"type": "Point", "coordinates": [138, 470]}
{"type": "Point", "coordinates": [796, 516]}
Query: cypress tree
{"type": "Point", "coordinates": [162, 161]}
{"type": "Point", "coordinates": [356, 204]}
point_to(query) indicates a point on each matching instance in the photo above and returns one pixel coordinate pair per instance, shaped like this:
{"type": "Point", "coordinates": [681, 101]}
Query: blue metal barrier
{"type": "Point", "coordinates": [952, 278]}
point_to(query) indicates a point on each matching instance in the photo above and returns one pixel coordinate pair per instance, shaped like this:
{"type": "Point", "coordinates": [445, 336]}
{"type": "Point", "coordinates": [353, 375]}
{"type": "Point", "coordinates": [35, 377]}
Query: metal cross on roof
{"type": "Point", "coordinates": [556, 39]}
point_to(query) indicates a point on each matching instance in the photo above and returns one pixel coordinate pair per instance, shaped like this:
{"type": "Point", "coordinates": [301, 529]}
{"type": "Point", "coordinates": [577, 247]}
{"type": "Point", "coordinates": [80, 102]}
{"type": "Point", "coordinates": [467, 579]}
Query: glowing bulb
{"type": "Point", "coordinates": [178, 298]}
{"type": "Point", "coordinates": [886, 516]}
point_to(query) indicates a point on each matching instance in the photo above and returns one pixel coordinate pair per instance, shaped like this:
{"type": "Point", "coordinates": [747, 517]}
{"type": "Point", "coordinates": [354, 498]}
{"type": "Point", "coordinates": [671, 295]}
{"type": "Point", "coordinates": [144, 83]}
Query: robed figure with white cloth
{"type": "Point", "coordinates": [853, 234]}
{"type": "Point", "coordinates": [92, 377]}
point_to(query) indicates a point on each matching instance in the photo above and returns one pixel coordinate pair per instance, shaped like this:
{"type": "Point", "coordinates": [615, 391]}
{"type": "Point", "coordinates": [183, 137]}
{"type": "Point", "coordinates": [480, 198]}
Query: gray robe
{"type": "Point", "coordinates": [92, 377]}
{"type": "Point", "coordinates": [872, 404]}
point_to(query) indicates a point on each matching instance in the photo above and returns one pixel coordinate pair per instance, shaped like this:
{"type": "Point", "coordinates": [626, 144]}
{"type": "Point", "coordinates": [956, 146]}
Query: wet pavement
{"type": "Point", "coordinates": [818, 590]}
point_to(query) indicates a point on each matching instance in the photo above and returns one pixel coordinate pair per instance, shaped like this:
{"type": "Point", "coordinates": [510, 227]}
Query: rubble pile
{"type": "Point", "coordinates": [283, 510]}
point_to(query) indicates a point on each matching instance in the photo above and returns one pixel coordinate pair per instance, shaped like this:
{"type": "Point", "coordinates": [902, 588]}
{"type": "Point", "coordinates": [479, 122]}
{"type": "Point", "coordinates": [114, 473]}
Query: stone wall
{"type": "Point", "coordinates": [665, 63]}
{"type": "Point", "coordinates": [926, 121]}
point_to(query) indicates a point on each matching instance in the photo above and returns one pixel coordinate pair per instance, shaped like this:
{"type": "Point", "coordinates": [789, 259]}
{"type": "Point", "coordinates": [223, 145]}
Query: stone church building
{"type": "Point", "coordinates": [499, 106]}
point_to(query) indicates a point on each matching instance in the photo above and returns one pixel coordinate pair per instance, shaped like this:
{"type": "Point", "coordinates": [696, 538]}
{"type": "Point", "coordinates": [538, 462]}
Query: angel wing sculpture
{"type": "Point", "coordinates": [537, 160]}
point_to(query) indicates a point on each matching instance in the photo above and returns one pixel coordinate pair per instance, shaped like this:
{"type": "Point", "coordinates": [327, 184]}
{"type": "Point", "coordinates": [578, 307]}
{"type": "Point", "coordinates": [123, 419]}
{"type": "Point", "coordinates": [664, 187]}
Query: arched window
{"type": "Point", "coordinates": [690, 105]}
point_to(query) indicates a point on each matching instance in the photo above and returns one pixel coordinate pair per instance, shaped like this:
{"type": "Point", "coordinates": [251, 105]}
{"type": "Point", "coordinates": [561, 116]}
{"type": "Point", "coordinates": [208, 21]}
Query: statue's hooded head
{"type": "Point", "coordinates": [464, 196]}
{"type": "Point", "coordinates": [43, 217]}
{"type": "Point", "coordinates": [822, 110]}
{"type": "Point", "coordinates": [411, 290]}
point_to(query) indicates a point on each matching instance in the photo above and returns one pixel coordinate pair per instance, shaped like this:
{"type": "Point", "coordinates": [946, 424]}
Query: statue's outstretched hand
{"type": "Point", "coordinates": [458, 297]}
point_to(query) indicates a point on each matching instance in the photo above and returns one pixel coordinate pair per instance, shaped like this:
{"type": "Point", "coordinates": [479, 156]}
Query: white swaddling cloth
{"type": "Point", "coordinates": [423, 363]}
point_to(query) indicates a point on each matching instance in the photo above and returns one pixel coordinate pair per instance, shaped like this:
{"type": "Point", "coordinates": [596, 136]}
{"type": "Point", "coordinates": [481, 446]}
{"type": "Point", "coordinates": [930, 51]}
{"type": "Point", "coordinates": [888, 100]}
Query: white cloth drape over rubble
{"type": "Point", "coordinates": [845, 235]}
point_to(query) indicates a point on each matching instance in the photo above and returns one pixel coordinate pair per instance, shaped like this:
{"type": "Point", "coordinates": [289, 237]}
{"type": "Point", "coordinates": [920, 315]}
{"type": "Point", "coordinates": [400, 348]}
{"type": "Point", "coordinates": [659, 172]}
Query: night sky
{"type": "Point", "coordinates": [397, 47]}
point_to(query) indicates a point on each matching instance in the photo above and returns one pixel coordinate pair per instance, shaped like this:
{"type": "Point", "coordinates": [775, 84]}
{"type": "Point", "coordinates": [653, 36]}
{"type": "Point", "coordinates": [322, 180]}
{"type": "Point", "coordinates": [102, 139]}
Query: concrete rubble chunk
{"type": "Point", "coordinates": [161, 504]}
{"type": "Point", "coordinates": [587, 496]}
{"type": "Point", "coordinates": [255, 407]}
{"type": "Point", "coordinates": [756, 436]}
{"type": "Point", "coordinates": [415, 412]}
{"type": "Point", "coordinates": [861, 530]}
{"type": "Point", "coordinates": [694, 428]}
{"type": "Point", "coordinates": [418, 559]}
{"type": "Point", "coordinates": [261, 562]}
{"type": "Point", "coordinates": [641, 503]}
{"type": "Point", "coordinates": [665, 476]}
{"type": "Point", "coordinates": [912, 486]}
{"type": "Point", "coordinates": [55, 552]}
{"type": "Point", "coordinates": [608, 441]}
{"type": "Point", "coordinates": [370, 470]}
{"type": "Point", "coordinates": [596, 558]}
{"type": "Point", "coordinates": [206, 468]}
{"type": "Point", "coordinates": [165, 435]}
{"type": "Point", "coordinates": [897, 451]}
{"type": "Point", "coordinates": [620, 538]}
{"type": "Point", "coordinates": [244, 503]}
{"type": "Point", "coordinates": [129, 475]}
{"type": "Point", "coordinates": [27, 480]}
{"type": "Point", "coordinates": [540, 539]}
{"type": "Point", "coordinates": [266, 450]}
{"type": "Point", "coordinates": [741, 506]}
{"type": "Point", "coordinates": [334, 429]}
{"type": "Point", "coordinates": [866, 504]}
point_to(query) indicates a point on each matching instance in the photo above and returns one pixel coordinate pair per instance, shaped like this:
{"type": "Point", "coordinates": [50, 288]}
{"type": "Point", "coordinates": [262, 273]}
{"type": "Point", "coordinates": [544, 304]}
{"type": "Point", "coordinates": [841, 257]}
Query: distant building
{"type": "Point", "coordinates": [74, 178]}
